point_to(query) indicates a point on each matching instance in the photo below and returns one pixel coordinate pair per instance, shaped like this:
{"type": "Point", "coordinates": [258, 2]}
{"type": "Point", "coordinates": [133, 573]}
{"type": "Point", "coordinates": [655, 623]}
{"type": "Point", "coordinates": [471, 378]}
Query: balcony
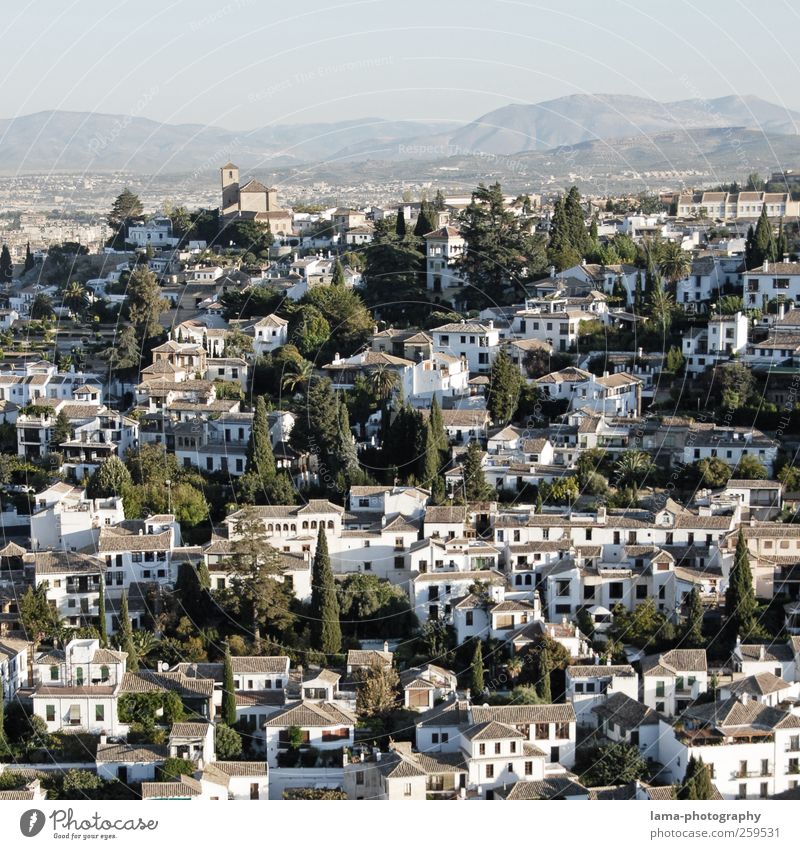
{"type": "Point", "coordinates": [753, 773]}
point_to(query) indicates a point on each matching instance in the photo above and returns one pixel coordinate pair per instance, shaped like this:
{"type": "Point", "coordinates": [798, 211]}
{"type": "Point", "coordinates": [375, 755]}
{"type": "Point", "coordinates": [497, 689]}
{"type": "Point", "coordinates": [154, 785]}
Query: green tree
{"type": "Point", "coordinates": [38, 619]}
{"type": "Point", "coordinates": [674, 263]}
{"type": "Point", "coordinates": [696, 784]}
{"type": "Point", "coordinates": [693, 633]}
{"type": "Point", "coordinates": [125, 637]}
{"type": "Point", "coordinates": [377, 694]}
{"type": "Point", "coordinates": [425, 220]}
{"type": "Point", "coordinates": [62, 431]}
{"type": "Point", "coordinates": [125, 353]}
{"type": "Point", "coordinates": [505, 386]}
{"type": "Point", "coordinates": [111, 477]}
{"type": "Point", "coordinates": [29, 261]}
{"type": "Point", "coordinates": [675, 360]}
{"type": "Point", "coordinates": [309, 330]}
{"type": "Point", "coordinates": [632, 468]}
{"type": "Point", "coordinates": [228, 689]}
{"type": "Point", "coordinates": [749, 468]}
{"type": "Point", "coordinates": [500, 247]}
{"type": "Point", "coordinates": [261, 478]}
{"type": "Point", "coordinates": [227, 742]}
{"type": "Point", "coordinates": [258, 595]}
{"type": "Point", "coordinates": [326, 630]}
{"type": "Point", "coordinates": [400, 224]}
{"type": "Point", "coordinates": [740, 597]}
{"type": "Point", "coordinates": [560, 250]}
{"type": "Point", "coordinates": [145, 303]}
{"type": "Point", "coordinates": [316, 427]}
{"type": "Point", "coordinates": [615, 763]}
{"type": "Point", "coordinates": [474, 481]}
{"type": "Point", "coordinates": [126, 210]}
{"type": "Point", "coordinates": [477, 683]}
{"type": "Point", "coordinates": [101, 614]}
{"type": "Point", "coordinates": [6, 265]}
{"type": "Point", "coordinates": [337, 279]}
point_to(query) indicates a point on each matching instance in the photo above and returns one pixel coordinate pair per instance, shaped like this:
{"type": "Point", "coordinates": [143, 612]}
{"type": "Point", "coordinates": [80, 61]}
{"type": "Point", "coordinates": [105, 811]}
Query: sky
{"type": "Point", "coordinates": [241, 64]}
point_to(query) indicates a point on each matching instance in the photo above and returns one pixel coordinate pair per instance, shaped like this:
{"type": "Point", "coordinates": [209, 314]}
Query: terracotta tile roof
{"type": "Point", "coordinates": [189, 729]}
{"type": "Point", "coordinates": [523, 714]}
{"type": "Point", "coordinates": [311, 715]}
{"type": "Point", "coordinates": [130, 753]}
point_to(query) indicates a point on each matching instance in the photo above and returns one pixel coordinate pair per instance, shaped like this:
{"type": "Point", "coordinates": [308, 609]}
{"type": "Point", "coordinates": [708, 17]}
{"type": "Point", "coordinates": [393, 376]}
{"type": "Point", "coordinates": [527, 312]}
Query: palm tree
{"type": "Point", "coordinates": [144, 642]}
{"type": "Point", "coordinates": [301, 377]}
{"type": "Point", "coordinates": [674, 263]}
{"type": "Point", "coordinates": [75, 295]}
{"type": "Point", "coordinates": [382, 381]}
{"type": "Point", "coordinates": [514, 667]}
{"type": "Point", "coordinates": [632, 467]}
{"type": "Point", "coordinates": [662, 306]}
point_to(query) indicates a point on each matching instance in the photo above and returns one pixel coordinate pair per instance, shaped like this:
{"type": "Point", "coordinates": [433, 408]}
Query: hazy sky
{"type": "Point", "coordinates": [247, 63]}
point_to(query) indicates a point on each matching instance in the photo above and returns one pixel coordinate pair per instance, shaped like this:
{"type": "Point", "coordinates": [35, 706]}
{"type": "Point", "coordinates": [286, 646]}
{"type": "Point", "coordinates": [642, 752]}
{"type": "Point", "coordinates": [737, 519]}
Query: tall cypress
{"type": "Point", "coordinates": [6, 265]}
{"type": "Point", "coordinates": [545, 668]}
{"type": "Point", "coordinates": [400, 225]}
{"type": "Point", "coordinates": [228, 690]}
{"type": "Point", "coordinates": [101, 614]}
{"type": "Point", "coordinates": [126, 636]}
{"type": "Point", "coordinates": [476, 671]}
{"type": "Point", "coordinates": [28, 257]}
{"type": "Point", "coordinates": [431, 460]}
{"type": "Point", "coordinates": [338, 274]}
{"type": "Point", "coordinates": [740, 597]}
{"type": "Point", "coordinates": [326, 630]}
{"type": "Point", "coordinates": [696, 784]}
{"type": "Point", "coordinates": [693, 636]}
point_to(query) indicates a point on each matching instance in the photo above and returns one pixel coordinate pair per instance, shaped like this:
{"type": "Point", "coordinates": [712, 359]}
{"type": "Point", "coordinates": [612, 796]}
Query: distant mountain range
{"type": "Point", "coordinates": [645, 132]}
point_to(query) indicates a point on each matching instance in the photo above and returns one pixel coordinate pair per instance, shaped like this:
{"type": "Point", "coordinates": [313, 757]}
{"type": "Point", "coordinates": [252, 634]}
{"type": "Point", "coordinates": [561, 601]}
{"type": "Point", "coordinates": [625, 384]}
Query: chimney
{"type": "Point", "coordinates": [386, 645]}
{"type": "Point", "coordinates": [103, 738]}
{"type": "Point", "coordinates": [761, 652]}
{"type": "Point", "coordinates": [552, 271]}
{"type": "Point", "coordinates": [766, 265]}
{"type": "Point", "coordinates": [608, 660]}
{"type": "Point", "coordinates": [781, 309]}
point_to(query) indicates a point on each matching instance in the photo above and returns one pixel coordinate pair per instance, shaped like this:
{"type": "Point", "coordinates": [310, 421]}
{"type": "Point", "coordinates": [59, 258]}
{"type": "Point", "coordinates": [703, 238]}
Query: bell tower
{"type": "Point", "coordinates": [229, 175]}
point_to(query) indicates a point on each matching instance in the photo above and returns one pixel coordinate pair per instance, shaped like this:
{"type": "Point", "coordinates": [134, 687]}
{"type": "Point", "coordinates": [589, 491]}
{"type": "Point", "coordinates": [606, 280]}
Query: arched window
{"type": "Point", "coordinates": [527, 580]}
{"type": "Point", "coordinates": [270, 528]}
{"type": "Point", "coordinates": [314, 525]}
{"type": "Point", "coordinates": [518, 580]}
{"type": "Point", "coordinates": [305, 526]}
{"type": "Point", "coordinates": [330, 524]}
{"type": "Point", "coordinates": [286, 529]}
{"type": "Point", "coordinates": [294, 528]}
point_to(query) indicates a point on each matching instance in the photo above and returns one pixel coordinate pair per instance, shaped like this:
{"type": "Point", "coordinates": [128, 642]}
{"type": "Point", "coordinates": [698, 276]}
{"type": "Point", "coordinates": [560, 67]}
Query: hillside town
{"type": "Point", "coordinates": [487, 497]}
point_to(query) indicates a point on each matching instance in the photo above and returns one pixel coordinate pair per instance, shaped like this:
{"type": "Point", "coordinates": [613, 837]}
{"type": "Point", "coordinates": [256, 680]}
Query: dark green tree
{"type": "Point", "coordinates": [62, 430]}
{"type": "Point", "coordinates": [338, 274]}
{"type": "Point", "coordinates": [477, 683]}
{"type": "Point", "coordinates": [6, 265]}
{"type": "Point", "coordinates": [693, 633]}
{"type": "Point", "coordinates": [29, 262]}
{"type": "Point", "coordinates": [110, 478]}
{"type": "Point", "coordinates": [615, 763]}
{"type": "Point", "coordinates": [696, 784]}
{"type": "Point", "coordinates": [126, 643]}
{"type": "Point", "coordinates": [145, 303]}
{"type": "Point", "coordinates": [101, 614]}
{"type": "Point", "coordinates": [505, 385]}
{"type": "Point", "coordinates": [740, 597]}
{"type": "Point", "coordinates": [261, 482]}
{"type": "Point", "coordinates": [400, 224]}
{"type": "Point", "coordinates": [228, 689]}
{"type": "Point", "coordinates": [326, 630]}
{"type": "Point", "coordinates": [127, 209]}
{"type": "Point", "coordinates": [425, 220]}
{"type": "Point", "coordinates": [475, 486]}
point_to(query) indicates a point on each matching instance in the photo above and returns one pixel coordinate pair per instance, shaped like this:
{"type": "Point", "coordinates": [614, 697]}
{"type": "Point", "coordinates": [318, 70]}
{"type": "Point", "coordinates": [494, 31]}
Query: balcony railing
{"type": "Point", "coordinates": [753, 773]}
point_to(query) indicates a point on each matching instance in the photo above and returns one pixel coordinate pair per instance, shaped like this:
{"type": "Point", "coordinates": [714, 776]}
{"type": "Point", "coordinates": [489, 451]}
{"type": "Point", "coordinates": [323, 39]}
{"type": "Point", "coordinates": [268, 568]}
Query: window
{"type": "Point", "coordinates": [469, 617]}
{"type": "Point", "coordinates": [497, 747]}
{"type": "Point", "coordinates": [407, 789]}
{"type": "Point", "coordinates": [660, 689]}
{"type": "Point", "coordinates": [541, 731]}
{"type": "Point", "coordinates": [99, 713]}
{"type": "Point", "coordinates": [50, 713]}
{"type": "Point", "coordinates": [54, 673]}
{"type": "Point", "coordinates": [104, 673]}
{"type": "Point", "coordinates": [490, 770]}
{"type": "Point", "coordinates": [641, 591]}
{"type": "Point", "coordinates": [588, 591]}
{"type": "Point", "coordinates": [360, 777]}
{"type": "Point", "coordinates": [528, 767]}
{"type": "Point", "coordinates": [434, 738]}
{"type": "Point", "coordinates": [562, 731]}
{"type": "Point", "coordinates": [481, 748]}
{"type": "Point", "coordinates": [445, 738]}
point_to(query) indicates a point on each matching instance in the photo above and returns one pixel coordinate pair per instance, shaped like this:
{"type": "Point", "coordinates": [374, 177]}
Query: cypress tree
{"type": "Point", "coordinates": [28, 257]}
{"type": "Point", "coordinates": [740, 597]}
{"type": "Point", "coordinates": [505, 385]}
{"type": "Point", "coordinates": [228, 690]}
{"type": "Point", "coordinates": [126, 636]}
{"type": "Point", "coordinates": [638, 295]}
{"type": "Point", "coordinates": [475, 486]}
{"type": "Point", "coordinates": [6, 265]}
{"type": "Point", "coordinates": [436, 425]}
{"type": "Point", "coordinates": [346, 455]}
{"type": "Point", "coordinates": [576, 228]}
{"type": "Point", "coordinates": [101, 613]}
{"type": "Point", "coordinates": [326, 629]}
{"type": "Point", "coordinates": [400, 225]}
{"type": "Point", "coordinates": [763, 240]}
{"type": "Point", "coordinates": [781, 243]}
{"type": "Point", "coordinates": [696, 784]}
{"type": "Point", "coordinates": [438, 201]}
{"type": "Point", "coordinates": [261, 480]}
{"type": "Point", "coordinates": [476, 670]}
{"type": "Point", "coordinates": [424, 220]}
{"type": "Point", "coordinates": [430, 459]}
{"type": "Point", "coordinates": [693, 637]}
{"type": "Point", "coordinates": [338, 274]}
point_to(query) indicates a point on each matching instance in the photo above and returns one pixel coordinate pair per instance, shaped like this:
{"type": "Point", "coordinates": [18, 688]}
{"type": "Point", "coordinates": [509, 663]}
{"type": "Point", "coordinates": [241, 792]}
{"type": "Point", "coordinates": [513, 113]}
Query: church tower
{"type": "Point", "coordinates": [230, 189]}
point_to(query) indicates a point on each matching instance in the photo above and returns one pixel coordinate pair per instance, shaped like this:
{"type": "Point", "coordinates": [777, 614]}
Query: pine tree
{"type": "Point", "coordinates": [101, 614]}
{"type": "Point", "coordinates": [145, 303]}
{"type": "Point", "coordinates": [740, 597]}
{"type": "Point", "coordinates": [326, 629]}
{"type": "Point", "coordinates": [29, 263]}
{"type": "Point", "coordinates": [338, 274]}
{"type": "Point", "coordinates": [400, 225]}
{"type": "Point", "coordinates": [693, 635]}
{"type": "Point", "coordinates": [228, 690]}
{"type": "Point", "coordinates": [6, 265]}
{"type": "Point", "coordinates": [505, 385]}
{"type": "Point", "coordinates": [126, 636]}
{"type": "Point", "coordinates": [476, 670]}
